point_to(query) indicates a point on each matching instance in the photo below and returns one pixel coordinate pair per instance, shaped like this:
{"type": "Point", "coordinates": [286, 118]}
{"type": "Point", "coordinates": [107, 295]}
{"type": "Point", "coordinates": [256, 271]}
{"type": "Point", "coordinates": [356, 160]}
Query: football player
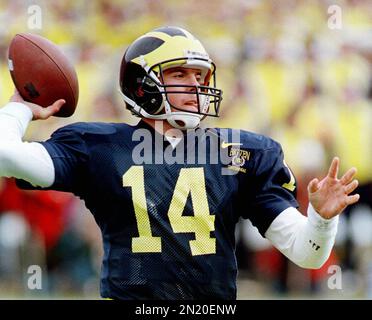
{"type": "Point", "coordinates": [168, 229]}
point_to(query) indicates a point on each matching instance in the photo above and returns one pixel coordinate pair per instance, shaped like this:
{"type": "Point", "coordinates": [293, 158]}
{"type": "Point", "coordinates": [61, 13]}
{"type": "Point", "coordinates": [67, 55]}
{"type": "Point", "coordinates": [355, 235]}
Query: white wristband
{"type": "Point", "coordinates": [324, 227]}
{"type": "Point", "coordinates": [19, 112]}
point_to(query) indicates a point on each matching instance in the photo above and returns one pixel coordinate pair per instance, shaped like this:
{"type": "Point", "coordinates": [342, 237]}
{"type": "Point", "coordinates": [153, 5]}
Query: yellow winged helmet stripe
{"type": "Point", "coordinates": [180, 46]}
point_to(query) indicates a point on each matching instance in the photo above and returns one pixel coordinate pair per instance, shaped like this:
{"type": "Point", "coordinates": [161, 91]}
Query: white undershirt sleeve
{"type": "Point", "coordinates": [29, 161]}
{"type": "Point", "coordinates": [307, 241]}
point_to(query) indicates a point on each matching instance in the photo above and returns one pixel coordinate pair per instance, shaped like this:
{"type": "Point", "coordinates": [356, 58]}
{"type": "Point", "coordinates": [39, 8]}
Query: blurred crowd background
{"type": "Point", "coordinates": [285, 72]}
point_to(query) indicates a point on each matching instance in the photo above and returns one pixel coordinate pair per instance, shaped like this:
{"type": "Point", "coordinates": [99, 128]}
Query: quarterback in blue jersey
{"type": "Point", "coordinates": [166, 193]}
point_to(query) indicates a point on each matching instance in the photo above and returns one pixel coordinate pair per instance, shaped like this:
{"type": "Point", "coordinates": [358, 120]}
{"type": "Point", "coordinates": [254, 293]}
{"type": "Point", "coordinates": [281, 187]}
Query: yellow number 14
{"type": "Point", "coordinates": [190, 181]}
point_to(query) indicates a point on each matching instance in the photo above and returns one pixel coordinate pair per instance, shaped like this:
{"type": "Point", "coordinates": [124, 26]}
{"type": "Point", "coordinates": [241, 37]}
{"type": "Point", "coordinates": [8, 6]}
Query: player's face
{"type": "Point", "coordinates": [187, 77]}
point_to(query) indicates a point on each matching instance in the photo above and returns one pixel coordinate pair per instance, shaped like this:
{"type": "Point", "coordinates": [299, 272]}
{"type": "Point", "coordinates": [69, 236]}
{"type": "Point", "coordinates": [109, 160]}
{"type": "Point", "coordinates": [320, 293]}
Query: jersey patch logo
{"type": "Point", "coordinates": [238, 159]}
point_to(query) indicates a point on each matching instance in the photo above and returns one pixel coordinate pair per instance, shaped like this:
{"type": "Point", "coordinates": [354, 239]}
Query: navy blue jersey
{"type": "Point", "coordinates": [168, 229]}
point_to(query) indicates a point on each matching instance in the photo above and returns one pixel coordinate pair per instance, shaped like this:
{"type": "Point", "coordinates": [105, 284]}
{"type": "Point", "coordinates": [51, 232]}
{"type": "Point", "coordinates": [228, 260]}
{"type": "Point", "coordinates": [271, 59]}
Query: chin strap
{"type": "Point", "coordinates": [181, 119]}
{"type": "Point", "coordinates": [184, 120]}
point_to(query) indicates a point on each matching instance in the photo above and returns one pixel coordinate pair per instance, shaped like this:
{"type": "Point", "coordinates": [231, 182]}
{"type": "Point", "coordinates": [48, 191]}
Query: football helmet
{"type": "Point", "coordinates": [141, 77]}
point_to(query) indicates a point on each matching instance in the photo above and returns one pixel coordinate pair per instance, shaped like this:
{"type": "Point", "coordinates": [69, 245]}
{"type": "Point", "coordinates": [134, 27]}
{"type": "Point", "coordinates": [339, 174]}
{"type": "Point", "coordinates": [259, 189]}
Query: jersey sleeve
{"type": "Point", "coordinates": [69, 153]}
{"type": "Point", "coordinates": [272, 189]}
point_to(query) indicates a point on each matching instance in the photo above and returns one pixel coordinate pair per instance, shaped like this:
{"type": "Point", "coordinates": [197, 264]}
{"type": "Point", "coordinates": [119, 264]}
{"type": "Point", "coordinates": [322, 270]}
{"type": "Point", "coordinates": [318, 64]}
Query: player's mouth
{"type": "Point", "coordinates": [191, 106]}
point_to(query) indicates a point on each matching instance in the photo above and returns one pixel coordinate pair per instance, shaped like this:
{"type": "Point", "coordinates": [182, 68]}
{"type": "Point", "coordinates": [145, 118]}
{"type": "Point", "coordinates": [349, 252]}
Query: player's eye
{"type": "Point", "coordinates": [178, 75]}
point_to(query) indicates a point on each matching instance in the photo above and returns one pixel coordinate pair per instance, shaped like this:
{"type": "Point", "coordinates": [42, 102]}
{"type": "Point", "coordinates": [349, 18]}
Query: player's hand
{"type": "Point", "coordinates": [330, 196]}
{"type": "Point", "coordinates": [38, 111]}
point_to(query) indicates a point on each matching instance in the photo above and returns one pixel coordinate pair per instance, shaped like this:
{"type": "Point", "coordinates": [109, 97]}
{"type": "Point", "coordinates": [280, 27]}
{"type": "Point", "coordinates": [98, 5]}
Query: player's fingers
{"type": "Point", "coordinates": [54, 108]}
{"type": "Point", "coordinates": [45, 113]}
{"type": "Point", "coordinates": [58, 104]}
{"type": "Point", "coordinates": [313, 185]}
{"type": "Point", "coordinates": [333, 169]}
{"type": "Point", "coordinates": [351, 186]}
{"type": "Point", "coordinates": [352, 199]}
{"type": "Point", "coordinates": [348, 176]}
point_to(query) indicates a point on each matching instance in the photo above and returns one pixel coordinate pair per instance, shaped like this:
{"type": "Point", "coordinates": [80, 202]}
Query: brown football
{"type": "Point", "coordinates": [42, 73]}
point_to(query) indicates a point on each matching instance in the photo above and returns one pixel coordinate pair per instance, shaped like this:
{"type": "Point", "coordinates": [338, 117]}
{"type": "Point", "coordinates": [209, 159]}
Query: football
{"type": "Point", "coordinates": [42, 73]}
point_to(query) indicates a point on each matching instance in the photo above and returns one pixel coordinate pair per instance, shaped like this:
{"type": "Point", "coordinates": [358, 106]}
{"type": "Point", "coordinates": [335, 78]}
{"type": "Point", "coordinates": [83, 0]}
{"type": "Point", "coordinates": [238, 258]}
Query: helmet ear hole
{"type": "Point", "coordinates": [152, 98]}
{"type": "Point", "coordinates": [153, 103]}
{"type": "Point", "coordinates": [135, 83]}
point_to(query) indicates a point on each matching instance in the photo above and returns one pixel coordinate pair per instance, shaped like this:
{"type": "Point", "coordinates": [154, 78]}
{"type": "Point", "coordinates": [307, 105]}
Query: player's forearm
{"type": "Point", "coordinates": [307, 241]}
{"type": "Point", "coordinates": [14, 120]}
{"type": "Point", "coordinates": [22, 160]}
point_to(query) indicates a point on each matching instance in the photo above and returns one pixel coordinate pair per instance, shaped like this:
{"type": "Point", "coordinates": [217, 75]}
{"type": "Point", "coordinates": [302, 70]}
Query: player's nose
{"type": "Point", "coordinates": [193, 82]}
